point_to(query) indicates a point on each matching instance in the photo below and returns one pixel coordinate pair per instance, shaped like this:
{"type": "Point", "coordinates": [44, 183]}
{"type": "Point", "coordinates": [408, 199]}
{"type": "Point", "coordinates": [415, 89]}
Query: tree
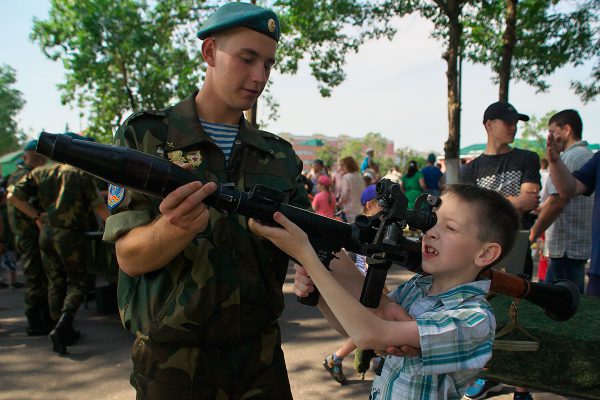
{"type": "Point", "coordinates": [590, 89]}
{"type": "Point", "coordinates": [121, 56]}
{"type": "Point", "coordinates": [126, 55]}
{"type": "Point", "coordinates": [527, 40]}
{"type": "Point", "coordinates": [534, 134]}
{"type": "Point", "coordinates": [328, 154]}
{"type": "Point", "coordinates": [11, 102]}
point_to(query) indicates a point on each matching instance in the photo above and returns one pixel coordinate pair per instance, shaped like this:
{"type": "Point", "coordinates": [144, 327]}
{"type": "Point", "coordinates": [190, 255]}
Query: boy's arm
{"type": "Point", "coordinates": [366, 330]}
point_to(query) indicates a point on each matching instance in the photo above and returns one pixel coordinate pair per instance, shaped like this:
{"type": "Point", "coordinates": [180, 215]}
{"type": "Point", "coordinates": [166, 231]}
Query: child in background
{"type": "Point", "coordinates": [453, 323]}
{"type": "Point", "coordinates": [324, 201]}
{"type": "Point", "coordinates": [333, 362]}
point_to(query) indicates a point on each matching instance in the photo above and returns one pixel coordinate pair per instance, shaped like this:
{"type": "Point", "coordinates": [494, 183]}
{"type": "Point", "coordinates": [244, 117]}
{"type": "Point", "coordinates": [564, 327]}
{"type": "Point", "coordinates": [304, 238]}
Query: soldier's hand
{"type": "Point", "coordinates": [39, 221]}
{"type": "Point", "coordinates": [184, 207]}
{"type": "Point", "coordinates": [303, 285]}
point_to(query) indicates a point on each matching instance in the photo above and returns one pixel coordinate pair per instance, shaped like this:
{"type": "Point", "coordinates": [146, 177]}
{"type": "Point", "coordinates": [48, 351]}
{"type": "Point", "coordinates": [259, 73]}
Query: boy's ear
{"type": "Point", "coordinates": [209, 48]}
{"type": "Point", "coordinates": [489, 253]}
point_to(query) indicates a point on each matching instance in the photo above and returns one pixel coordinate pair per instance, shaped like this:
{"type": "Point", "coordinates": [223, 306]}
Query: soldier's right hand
{"type": "Point", "coordinates": [303, 285]}
{"type": "Point", "coordinates": [184, 207]}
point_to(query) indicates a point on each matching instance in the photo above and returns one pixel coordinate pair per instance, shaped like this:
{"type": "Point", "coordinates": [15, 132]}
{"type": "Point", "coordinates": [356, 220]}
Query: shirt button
{"type": "Point", "coordinates": [237, 142]}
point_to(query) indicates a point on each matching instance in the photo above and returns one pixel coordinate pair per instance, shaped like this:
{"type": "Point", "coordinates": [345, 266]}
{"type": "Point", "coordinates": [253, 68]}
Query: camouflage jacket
{"type": "Point", "coordinates": [66, 193]}
{"type": "Point", "coordinates": [21, 224]}
{"type": "Point", "coordinates": [225, 288]}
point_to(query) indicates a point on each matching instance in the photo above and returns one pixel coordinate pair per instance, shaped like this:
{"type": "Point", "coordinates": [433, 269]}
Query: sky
{"type": "Point", "coordinates": [397, 88]}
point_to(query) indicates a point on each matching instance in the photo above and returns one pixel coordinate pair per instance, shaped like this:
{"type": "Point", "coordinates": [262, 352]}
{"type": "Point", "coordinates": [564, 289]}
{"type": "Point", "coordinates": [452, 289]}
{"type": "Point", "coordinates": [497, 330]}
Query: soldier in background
{"type": "Point", "coordinates": [26, 234]}
{"type": "Point", "coordinates": [66, 195]}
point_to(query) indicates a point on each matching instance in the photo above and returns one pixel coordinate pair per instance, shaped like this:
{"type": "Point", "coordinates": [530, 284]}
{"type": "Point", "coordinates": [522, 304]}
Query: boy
{"type": "Point", "coordinates": [454, 325]}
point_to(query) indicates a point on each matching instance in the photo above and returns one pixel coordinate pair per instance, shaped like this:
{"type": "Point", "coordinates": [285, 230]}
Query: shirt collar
{"type": "Point", "coordinates": [582, 143]}
{"type": "Point", "coordinates": [185, 129]}
{"type": "Point", "coordinates": [455, 296]}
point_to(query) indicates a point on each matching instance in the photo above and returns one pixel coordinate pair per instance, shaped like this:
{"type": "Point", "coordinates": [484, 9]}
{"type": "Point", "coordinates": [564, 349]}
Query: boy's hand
{"type": "Point", "coordinates": [303, 285]}
{"type": "Point", "coordinates": [395, 312]}
{"type": "Point", "coordinates": [184, 207]}
{"type": "Point", "coordinates": [290, 239]}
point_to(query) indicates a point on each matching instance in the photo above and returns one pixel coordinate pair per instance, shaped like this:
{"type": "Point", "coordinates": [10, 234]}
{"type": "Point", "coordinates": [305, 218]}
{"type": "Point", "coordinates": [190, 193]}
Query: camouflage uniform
{"type": "Point", "coordinates": [26, 234]}
{"type": "Point", "coordinates": [206, 323]}
{"type": "Point", "coordinates": [67, 195]}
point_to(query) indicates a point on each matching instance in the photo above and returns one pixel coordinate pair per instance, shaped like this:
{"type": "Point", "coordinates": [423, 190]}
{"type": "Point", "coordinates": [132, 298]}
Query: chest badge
{"type": "Point", "coordinates": [193, 157]}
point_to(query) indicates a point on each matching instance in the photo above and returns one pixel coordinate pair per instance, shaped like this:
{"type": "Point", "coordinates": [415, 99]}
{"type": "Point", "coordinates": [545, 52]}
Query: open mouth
{"type": "Point", "coordinates": [430, 251]}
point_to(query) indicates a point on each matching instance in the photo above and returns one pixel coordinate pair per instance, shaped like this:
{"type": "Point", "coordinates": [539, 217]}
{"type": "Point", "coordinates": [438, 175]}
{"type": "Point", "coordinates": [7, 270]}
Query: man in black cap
{"type": "Point", "coordinates": [202, 293]}
{"type": "Point", "coordinates": [515, 173]}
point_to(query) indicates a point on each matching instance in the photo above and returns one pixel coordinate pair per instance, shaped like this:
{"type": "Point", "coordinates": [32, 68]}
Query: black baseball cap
{"type": "Point", "coordinates": [504, 111]}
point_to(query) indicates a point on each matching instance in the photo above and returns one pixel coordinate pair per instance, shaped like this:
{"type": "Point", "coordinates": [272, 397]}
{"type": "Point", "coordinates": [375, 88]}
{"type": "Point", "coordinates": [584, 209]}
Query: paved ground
{"type": "Point", "coordinates": [98, 366]}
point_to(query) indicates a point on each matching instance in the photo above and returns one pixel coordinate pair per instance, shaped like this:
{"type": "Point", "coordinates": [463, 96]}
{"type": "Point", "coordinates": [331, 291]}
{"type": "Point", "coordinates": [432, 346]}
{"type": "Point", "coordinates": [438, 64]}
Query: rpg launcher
{"type": "Point", "coordinates": [380, 238]}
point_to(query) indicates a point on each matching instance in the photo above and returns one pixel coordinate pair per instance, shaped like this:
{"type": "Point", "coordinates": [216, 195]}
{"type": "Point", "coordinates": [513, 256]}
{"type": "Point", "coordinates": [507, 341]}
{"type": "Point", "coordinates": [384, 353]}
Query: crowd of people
{"type": "Point", "coordinates": [335, 190]}
{"type": "Point", "coordinates": [198, 286]}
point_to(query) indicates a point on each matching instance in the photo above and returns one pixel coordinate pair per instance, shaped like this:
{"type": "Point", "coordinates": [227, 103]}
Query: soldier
{"type": "Point", "coordinates": [199, 290]}
{"type": "Point", "coordinates": [26, 235]}
{"type": "Point", "coordinates": [66, 195]}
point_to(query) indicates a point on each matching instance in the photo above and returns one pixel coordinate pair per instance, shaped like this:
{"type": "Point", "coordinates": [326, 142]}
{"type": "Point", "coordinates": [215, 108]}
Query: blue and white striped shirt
{"type": "Point", "coordinates": [456, 330]}
{"type": "Point", "coordinates": [222, 134]}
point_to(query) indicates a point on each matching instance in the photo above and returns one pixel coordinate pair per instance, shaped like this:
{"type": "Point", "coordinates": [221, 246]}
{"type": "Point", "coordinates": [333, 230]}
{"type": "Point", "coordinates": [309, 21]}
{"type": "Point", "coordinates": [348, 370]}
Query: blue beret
{"type": "Point", "coordinates": [247, 15]}
{"type": "Point", "coordinates": [368, 194]}
{"type": "Point", "coordinates": [31, 145]}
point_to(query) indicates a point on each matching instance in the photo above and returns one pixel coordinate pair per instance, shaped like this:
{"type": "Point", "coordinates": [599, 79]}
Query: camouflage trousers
{"type": "Point", "coordinates": [36, 282]}
{"type": "Point", "coordinates": [213, 373]}
{"type": "Point", "coordinates": [64, 257]}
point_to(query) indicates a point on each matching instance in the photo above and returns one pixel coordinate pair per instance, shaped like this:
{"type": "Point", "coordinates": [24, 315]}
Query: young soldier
{"type": "Point", "coordinates": [27, 235]}
{"type": "Point", "coordinates": [445, 313]}
{"type": "Point", "coordinates": [202, 293]}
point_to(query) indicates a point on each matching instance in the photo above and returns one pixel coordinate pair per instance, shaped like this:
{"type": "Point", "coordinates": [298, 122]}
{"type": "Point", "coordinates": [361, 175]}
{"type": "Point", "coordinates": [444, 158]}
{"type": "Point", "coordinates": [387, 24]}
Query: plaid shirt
{"type": "Point", "coordinates": [571, 233]}
{"type": "Point", "coordinates": [456, 330]}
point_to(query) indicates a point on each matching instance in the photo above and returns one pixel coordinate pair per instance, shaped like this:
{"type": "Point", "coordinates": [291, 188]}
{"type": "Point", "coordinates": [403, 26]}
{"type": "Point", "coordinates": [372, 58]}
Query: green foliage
{"type": "Point", "coordinates": [11, 102]}
{"type": "Point", "coordinates": [122, 56]}
{"type": "Point", "coordinates": [534, 134]}
{"type": "Point", "coordinates": [589, 89]}
{"type": "Point", "coordinates": [328, 154]}
{"type": "Point", "coordinates": [547, 38]}
{"type": "Point", "coordinates": [325, 31]}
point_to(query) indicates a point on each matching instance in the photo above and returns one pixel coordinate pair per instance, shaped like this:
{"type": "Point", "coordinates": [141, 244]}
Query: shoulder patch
{"type": "Point", "coordinates": [116, 194]}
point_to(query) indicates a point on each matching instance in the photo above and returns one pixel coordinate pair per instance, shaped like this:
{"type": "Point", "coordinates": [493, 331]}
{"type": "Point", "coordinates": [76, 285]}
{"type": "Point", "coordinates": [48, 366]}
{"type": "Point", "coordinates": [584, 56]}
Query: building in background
{"type": "Point", "coordinates": [307, 146]}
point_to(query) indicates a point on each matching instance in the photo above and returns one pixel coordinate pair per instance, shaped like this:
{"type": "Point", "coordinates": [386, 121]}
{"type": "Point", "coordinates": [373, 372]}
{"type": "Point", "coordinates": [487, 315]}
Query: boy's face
{"type": "Point", "coordinates": [502, 131]}
{"type": "Point", "coordinates": [242, 65]}
{"type": "Point", "coordinates": [451, 247]}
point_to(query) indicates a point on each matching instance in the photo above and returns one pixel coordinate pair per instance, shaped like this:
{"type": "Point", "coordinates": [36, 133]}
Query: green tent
{"type": "Point", "coordinates": [8, 162]}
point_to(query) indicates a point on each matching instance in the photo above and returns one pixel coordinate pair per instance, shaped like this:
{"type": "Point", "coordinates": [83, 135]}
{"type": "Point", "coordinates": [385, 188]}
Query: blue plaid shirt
{"type": "Point", "coordinates": [456, 330]}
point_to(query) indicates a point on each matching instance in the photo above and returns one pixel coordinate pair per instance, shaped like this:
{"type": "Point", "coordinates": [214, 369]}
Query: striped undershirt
{"type": "Point", "coordinates": [222, 134]}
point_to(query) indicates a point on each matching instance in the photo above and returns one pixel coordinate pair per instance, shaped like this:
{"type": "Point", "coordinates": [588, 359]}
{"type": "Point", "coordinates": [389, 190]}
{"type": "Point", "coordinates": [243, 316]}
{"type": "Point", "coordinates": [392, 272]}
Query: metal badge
{"type": "Point", "coordinates": [272, 25]}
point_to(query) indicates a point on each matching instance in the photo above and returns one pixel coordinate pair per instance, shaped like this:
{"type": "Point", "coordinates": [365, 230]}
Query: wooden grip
{"type": "Point", "coordinates": [506, 284]}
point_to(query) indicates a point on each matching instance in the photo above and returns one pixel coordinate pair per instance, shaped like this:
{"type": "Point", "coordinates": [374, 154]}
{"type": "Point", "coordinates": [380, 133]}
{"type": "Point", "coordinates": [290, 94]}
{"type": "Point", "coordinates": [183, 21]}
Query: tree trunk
{"type": "Point", "coordinates": [508, 41]}
{"type": "Point", "coordinates": [452, 145]}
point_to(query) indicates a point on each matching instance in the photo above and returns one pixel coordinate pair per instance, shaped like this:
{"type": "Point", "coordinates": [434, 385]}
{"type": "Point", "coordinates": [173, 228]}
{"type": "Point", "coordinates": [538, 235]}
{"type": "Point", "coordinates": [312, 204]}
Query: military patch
{"type": "Point", "coordinates": [116, 194]}
{"type": "Point", "coordinates": [194, 158]}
